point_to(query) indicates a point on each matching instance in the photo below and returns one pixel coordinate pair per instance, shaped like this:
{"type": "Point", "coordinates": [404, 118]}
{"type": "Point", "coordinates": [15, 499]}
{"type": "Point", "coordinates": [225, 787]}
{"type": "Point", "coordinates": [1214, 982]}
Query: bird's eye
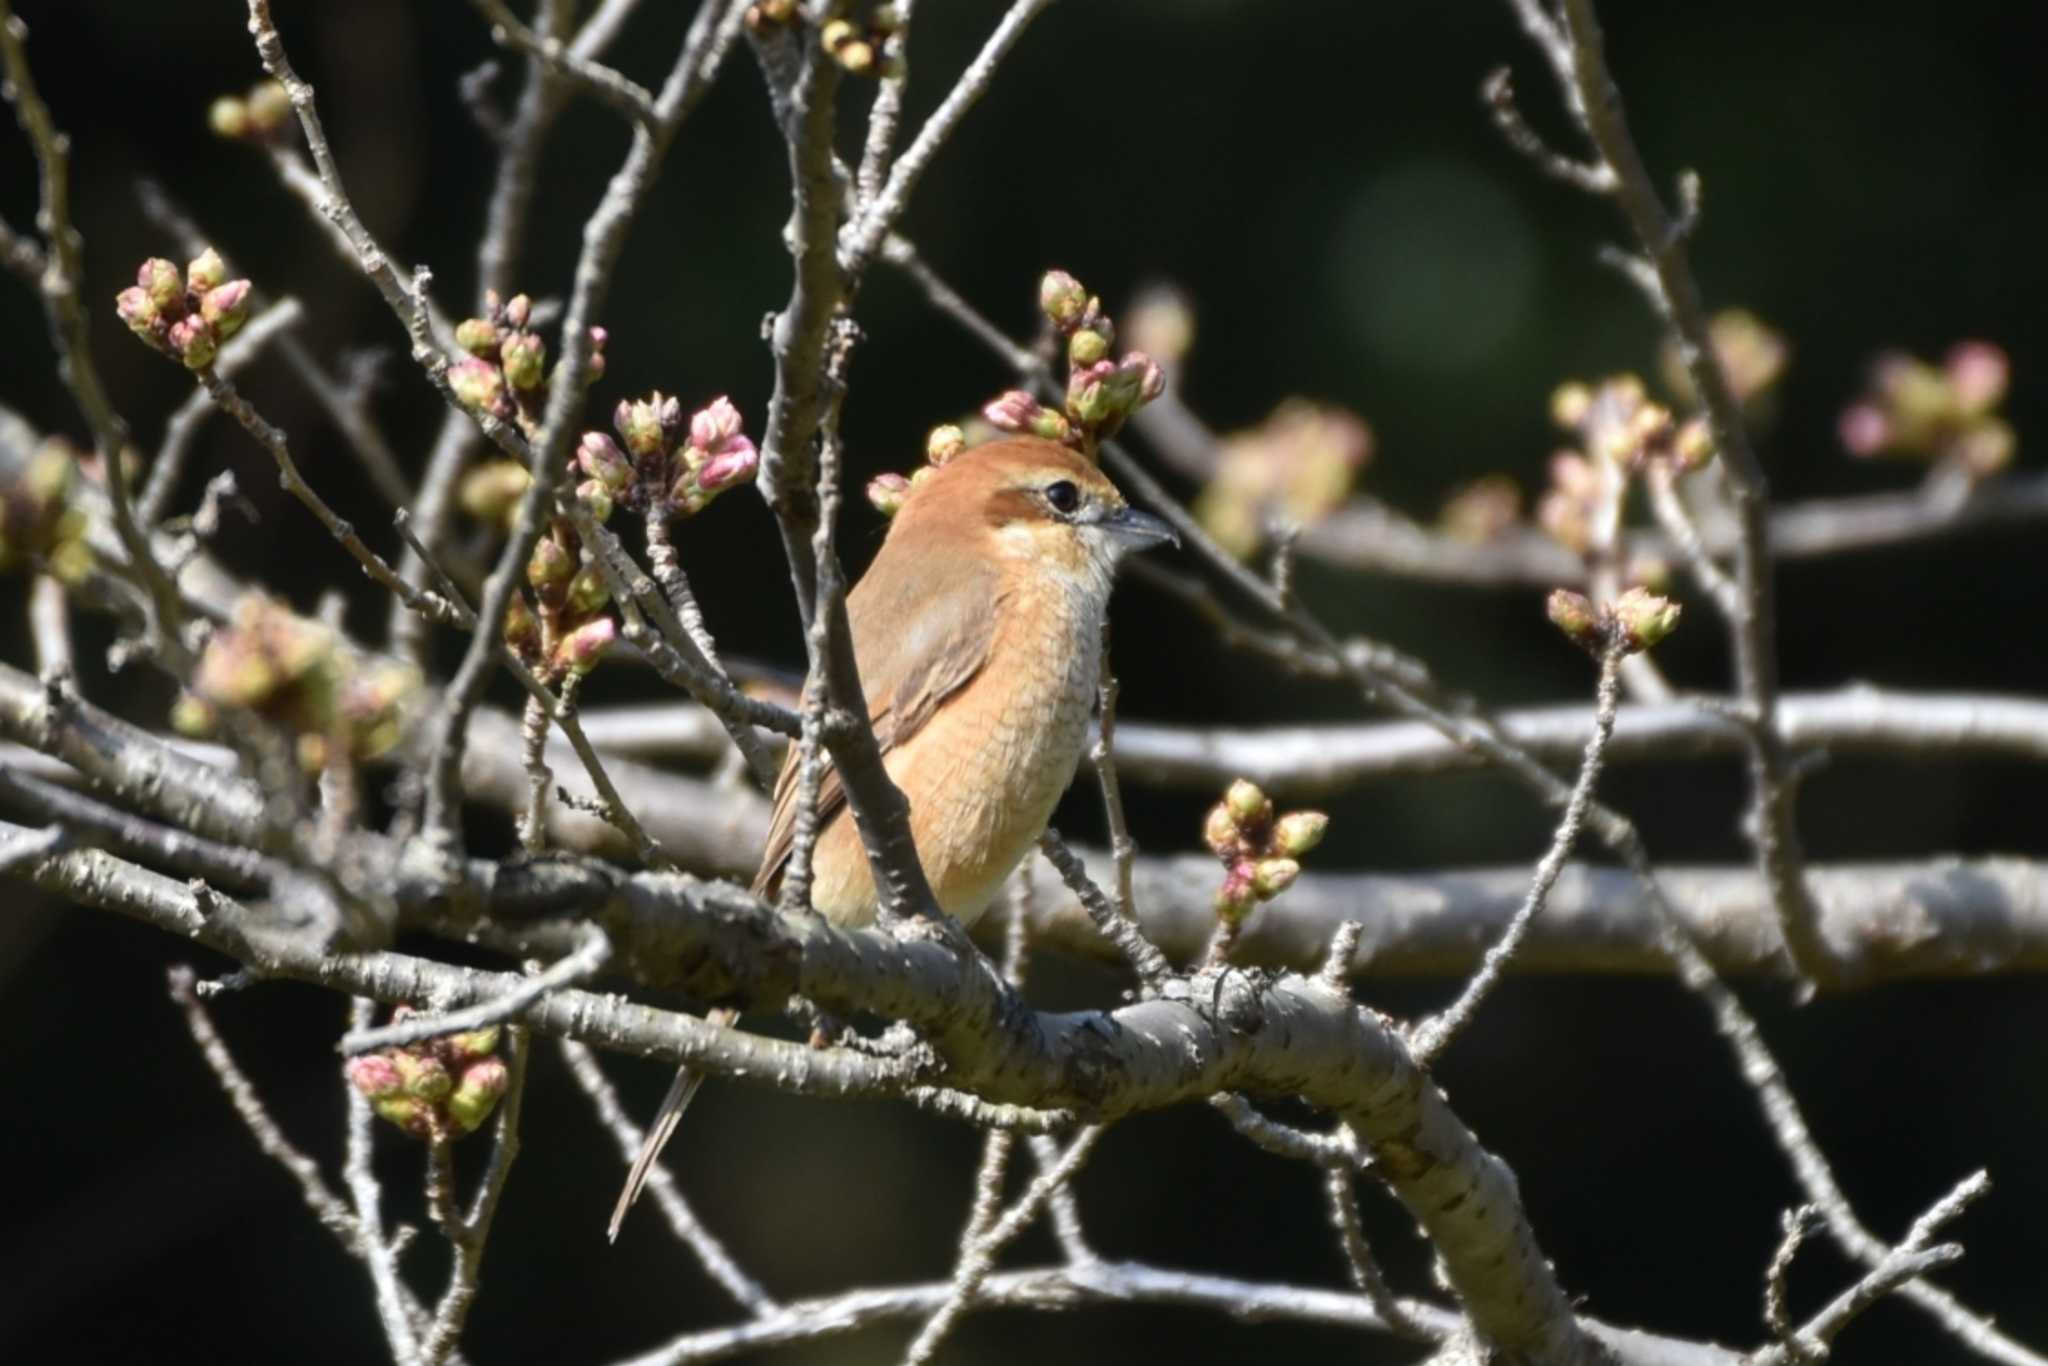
{"type": "Point", "coordinates": [1063, 496]}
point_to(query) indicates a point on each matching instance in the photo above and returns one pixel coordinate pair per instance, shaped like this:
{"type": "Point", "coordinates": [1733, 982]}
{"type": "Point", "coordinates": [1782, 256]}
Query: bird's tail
{"type": "Point", "coordinates": [681, 1092]}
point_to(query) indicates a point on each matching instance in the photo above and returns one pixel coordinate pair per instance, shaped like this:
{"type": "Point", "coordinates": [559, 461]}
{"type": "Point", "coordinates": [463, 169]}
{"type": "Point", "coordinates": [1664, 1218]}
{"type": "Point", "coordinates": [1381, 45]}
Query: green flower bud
{"type": "Point", "coordinates": [1297, 832]}
{"type": "Point", "coordinates": [478, 336]}
{"type": "Point", "coordinates": [1249, 807]}
{"type": "Point", "coordinates": [1273, 876]}
{"type": "Point", "coordinates": [206, 272]}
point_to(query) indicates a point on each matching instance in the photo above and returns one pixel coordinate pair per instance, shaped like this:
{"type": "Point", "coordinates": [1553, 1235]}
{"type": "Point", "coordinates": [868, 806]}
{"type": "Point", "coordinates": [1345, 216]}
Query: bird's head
{"type": "Point", "coordinates": [1027, 503]}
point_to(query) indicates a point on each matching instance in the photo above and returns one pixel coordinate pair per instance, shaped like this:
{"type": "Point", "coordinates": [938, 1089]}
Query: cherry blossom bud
{"type": "Point", "coordinates": [206, 272]}
{"type": "Point", "coordinates": [638, 423]}
{"type": "Point", "coordinates": [1575, 615]}
{"type": "Point", "coordinates": [476, 384]}
{"type": "Point", "coordinates": [582, 648]}
{"type": "Point", "coordinates": [1644, 618]}
{"type": "Point", "coordinates": [1570, 404]}
{"type": "Point", "coordinates": [139, 311]}
{"type": "Point", "coordinates": [478, 336]}
{"type": "Point", "coordinates": [1297, 832]}
{"type": "Point", "coordinates": [1062, 298]}
{"type": "Point", "coordinates": [1249, 807]}
{"type": "Point", "coordinates": [524, 357]}
{"type": "Point", "coordinates": [733, 465]}
{"type": "Point", "coordinates": [1219, 831]}
{"type": "Point", "coordinates": [714, 424]}
{"type": "Point", "coordinates": [269, 108]}
{"type": "Point", "coordinates": [588, 593]}
{"type": "Point", "coordinates": [886, 493]}
{"type": "Point", "coordinates": [597, 499]}
{"type": "Point", "coordinates": [517, 311]}
{"type": "Point", "coordinates": [194, 342]}
{"type": "Point", "coordinates": [1011, 411]}
{"type": "Point", "coordinates": [1978, 373]}
{"type": "Point", "coordinates": [228, 117]}
{"type": "Point", "coordinates": [944, 443]}
{"type": "Point", "coordinates": [551, 566]}
{"type": "Point", "coordinates": [1086, 347]}
{"type": "Point", "coordinates": [522, 628]}
{"type": "Point", "coordinates": [483, 1083]}
{"type": "Point", "coordinates": [491, 492]}
{"type": "Point", "coordinates": [226, 307]}
{"type": "Point", "coordinates": [600, 458]}
{"type": "Point", "coordinates": [160, 280]}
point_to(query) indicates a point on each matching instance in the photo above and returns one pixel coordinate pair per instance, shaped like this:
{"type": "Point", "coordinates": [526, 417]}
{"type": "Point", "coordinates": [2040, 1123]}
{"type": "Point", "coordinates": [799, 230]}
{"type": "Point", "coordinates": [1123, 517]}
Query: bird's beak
{"type": "Point", "coordinates": [1138, 530]}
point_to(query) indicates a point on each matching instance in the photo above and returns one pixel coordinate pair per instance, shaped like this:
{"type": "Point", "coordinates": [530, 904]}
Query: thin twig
{"type": "Point", "coordinates": [595, 952]}
{"type": "Point", "coordinates": [1145, 959]}
{"type": "Point", "coordinates": [1358, 1259]}
{"type": "Point", "coordinates": [627, 96]}
{"type": "Point", "coordinates": [1433, 1035]}
{"type": "Point", "coordinates": [183, 426]}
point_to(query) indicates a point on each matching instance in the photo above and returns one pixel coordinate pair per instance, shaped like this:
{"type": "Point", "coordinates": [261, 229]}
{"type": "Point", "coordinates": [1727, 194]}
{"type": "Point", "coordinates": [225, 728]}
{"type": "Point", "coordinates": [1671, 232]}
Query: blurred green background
{"type": "Point", "coordinates": [1322, 180]}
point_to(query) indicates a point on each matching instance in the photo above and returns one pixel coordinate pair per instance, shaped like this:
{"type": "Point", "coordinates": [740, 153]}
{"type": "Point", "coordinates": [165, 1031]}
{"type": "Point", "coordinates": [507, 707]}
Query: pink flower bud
{"type": "Point", "coordinates": [472, 1101]}
{"type": "Point", "coordinates": [1864, 429]}
{"type": "Point", "coordinates": [887, 492]}
{"type": "Point", "coordinates": [193, 341]}
{"type": "Point", "coordinates": [582, 648]}
{"type": "Point", "coordinates": [1220, 833]}
{"type": "Point", "coordinates": [601, 459]}
{"type": "Point", "coordinates": [1011, 411]}
{"type": "Point", "coordinates": [1235, 897]}
{"type": "Point", "coordinates": [477, 384]}
{"type": "Point", "coordinates": [1643, 618]}
{"type": "Point", "coordinates": [139, 311]}
{"type": "Point", "coordinates": [714, 424]}
{"type": "Point", "coordinates": [597, 498]}
{"type": "Point", "coordinates": [1062, 298]}
{"type": "Point", "coordinates": [518, 309]}
{"type": "Point", "coordinates": [1575, 615]}
{"type": "Point", "coordinates": [734, 464]}
{"type": "Point", "coordinates": [1147, 380]}
{"type": "Point", "coordinates": [638, 423]}
{"type": "Point", "coordinates": [226, 307]}
{"type": "Point", "coordinates": [160, 280]}
{"type": "Point", "coordinates": [374, 1075]}
{"type": "Point", "coordinates": [1979, 373]}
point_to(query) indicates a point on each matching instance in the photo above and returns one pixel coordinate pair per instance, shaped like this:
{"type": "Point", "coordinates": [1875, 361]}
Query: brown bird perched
{"type": "Point", "coordinates": [977, 630]}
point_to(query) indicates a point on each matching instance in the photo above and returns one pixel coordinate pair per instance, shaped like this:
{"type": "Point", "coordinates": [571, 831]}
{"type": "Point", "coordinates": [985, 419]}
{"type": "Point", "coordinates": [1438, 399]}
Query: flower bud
{"type": "Point", "coordinates": [1644, 618]}
{"type": "Point", "coordinates": [193, 341]}
{"type": "Point", "coordinates": [375, 1075]}
{"type": "Point", "coordinates": [228, 117]}
{"type": "Point", "coordinates": [1051, 425]}
{"type": "Point", "coordinates": [886, 493]}
{"type": "Point", "coordinates": [1570, 404]}
{"type": "Point", "coordinates": [1978, 373]}
{"type": "Point", "coordinates": [139, 311]}
{"type": "Point", "coordinates": [483, 1083]}
{"type": "Point", "coordinates": [472, 1044]}
{"type": "Point", "coordinates": [421, 1075]}
{"type": "Point", "coordinates": [1693, 447]}
{"type": "Point", "coordinates": [733, 465]}
{"type": "Point", "coordinates": [477, 384]}
{"type": "Point", "coordinates": [1062, 298]}
{"type": "Point", "coordinates": [160, 280]}
{"type": "Point", "coordinates": [1273, 876]}
{"type": "Point", "coordinates": [517, 310]}
{"type": "Point", "coordinates": [1086, 347]}
{"type": "Point", "coordinates": [600, 458]}
{"type": "Point", "coordinates": [1143, 375]}
{"type": "Point", "coordinates": [944, 443]}
{"type": "Point", "coordinates": [206, 272]}
{"type": "Point", "coordinates": [1091, 392]}
{"type": "Point", "coordinates": [595, 370]}
{"type": "Point", "coordinates": [588, 593]}
{"type": "Point", "coordinates": [1248, 806]}
{"type": "Point", "coordinates": [551, 566]}
{"type": "Point", "coordinates": [1011, 411]}
{"type": "Point", "coordinates": [522, 628]}
{"type": "Point", "coordinates": [638, 423]}
{"type": "Point", "coordinates": [478, 336]}
{"type": "Point", "coordinates": [226, 307]}
{"type": "Point", "coordinates": [1297, 832]}
{"type": "Point", "coordinates": [491, 492]}
{"type": "Point", "coordinates": [524, 357]}
{"type": "Point", "coordinates": [582, 648]}
{"type": "Point", "coordinates": [269, 107]}
{"type": "Point", "coordinates": [1219, 831]}
{"type": "Point", "coordinates": [1575, 615]}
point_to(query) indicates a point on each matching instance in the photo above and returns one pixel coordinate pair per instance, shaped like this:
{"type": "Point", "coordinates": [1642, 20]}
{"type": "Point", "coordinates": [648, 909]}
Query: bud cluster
{"type": "Point", "coordinates": [1260, 849]}
{"type": "Point", "coordinates": [1636, 621]}
{"type": "Point", "coordinates": [1621, 431]}
{"type": "Point", "coordinates": [862, 49]}
{"type": "Point", "coordinates": [437, 1089]}
{"type": "Point", "coordinates": [567, 625]}
{"type": "Point", "coordinates": [1946, 414]}
{"type": "Point", "coordinates": [1101, 391]}
{"type": "Point", "coordinates": [41, 526]}
{"type": "Point", "coordinates": [301, 676]}
{"type": "Point", "coordinates": [1298, 464]}
{"type": "Point", "coordinates": [262, 115]}
{"type": "Point", "coordinates": [663, 465]}
{"type": "Point", "coordinates": [887, 492]}
{"type": "Point", "coordinates": [186, 316]}
{"type": "Point", "coordinates": [505, 369]}
{"type": "Point", "coordinates": [765, 16]}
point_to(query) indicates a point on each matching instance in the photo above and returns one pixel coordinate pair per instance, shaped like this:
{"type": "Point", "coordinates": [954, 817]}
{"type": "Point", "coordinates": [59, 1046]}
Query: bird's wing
{"type": "Point", "coordinates": [917, 643]}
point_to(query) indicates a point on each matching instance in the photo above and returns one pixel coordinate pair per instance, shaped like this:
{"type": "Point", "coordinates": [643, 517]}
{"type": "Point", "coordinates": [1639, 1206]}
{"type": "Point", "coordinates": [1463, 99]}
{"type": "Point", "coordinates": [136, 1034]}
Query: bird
{"type": "Point", "coordinates": [977, 633]}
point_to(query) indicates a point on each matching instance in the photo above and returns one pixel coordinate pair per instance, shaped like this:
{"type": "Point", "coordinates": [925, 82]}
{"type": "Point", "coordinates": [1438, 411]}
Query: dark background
{"type": "Point", "coordinates": [1323, 180]}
